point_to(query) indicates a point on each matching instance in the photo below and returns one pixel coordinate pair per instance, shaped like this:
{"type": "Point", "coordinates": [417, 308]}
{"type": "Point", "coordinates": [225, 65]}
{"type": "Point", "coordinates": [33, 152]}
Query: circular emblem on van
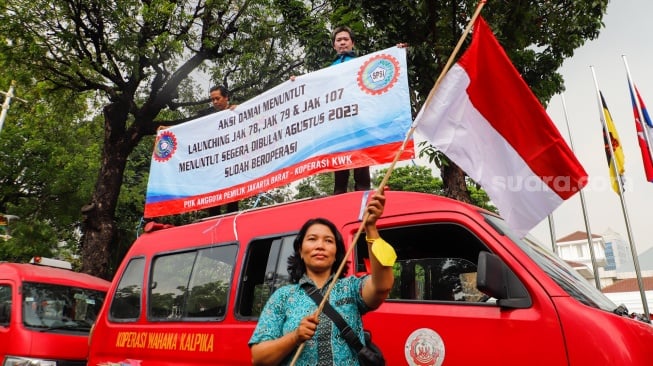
{"type": "Point", "coordinates": [424, 347]}
{"type": "Point", "coordinates": [378, 74]}
{"type": "Point", "coordinates": [165, 146]}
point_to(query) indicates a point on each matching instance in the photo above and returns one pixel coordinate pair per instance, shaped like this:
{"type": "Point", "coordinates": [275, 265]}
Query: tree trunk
{"type": "Point", "coordinates": [99, 227]}
{"type": "Point", "coordinates": [453, 179]}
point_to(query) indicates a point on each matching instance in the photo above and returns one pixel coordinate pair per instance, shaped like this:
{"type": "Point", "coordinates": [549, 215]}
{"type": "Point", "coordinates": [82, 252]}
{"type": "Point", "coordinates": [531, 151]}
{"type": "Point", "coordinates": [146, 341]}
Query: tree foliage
{"type": "Point", "coordinates": [143, 59]}
{"type": "Point", "coordinates": [410, 178]}
{"type": "Point", "coordinates": [416, 178]}
{"type": "Point", "coordinates": [48, 159]}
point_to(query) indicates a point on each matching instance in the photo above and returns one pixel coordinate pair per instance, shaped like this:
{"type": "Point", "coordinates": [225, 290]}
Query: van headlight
{"type": "Point", "coordinates": [25, 361]}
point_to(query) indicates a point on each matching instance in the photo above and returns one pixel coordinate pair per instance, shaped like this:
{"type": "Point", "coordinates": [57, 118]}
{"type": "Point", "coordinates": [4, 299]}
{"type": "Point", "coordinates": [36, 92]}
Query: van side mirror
{"type": "Point", "coordinates": [495, 279]}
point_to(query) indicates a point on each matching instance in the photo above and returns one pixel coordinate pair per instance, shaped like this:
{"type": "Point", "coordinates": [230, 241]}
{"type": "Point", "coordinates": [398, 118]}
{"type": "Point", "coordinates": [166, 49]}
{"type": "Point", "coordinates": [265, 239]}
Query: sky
{"type": "Point", "coordinates": [624, 33]}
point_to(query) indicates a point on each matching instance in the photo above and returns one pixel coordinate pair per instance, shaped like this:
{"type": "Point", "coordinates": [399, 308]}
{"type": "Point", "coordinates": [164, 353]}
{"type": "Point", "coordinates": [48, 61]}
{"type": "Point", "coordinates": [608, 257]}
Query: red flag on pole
{"type": "Point", "coordinates": [642, 127]}
{"type": "Point", "coordinates": [486, 119]}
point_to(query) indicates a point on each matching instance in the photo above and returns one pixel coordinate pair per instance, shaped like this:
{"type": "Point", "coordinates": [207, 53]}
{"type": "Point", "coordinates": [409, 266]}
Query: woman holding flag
{"type": "Point", "coordinates": [289, 317]}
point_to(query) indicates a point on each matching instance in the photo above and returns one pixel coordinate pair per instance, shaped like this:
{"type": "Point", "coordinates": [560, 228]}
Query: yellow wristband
{"type": "Point", "coordinates": [383, 252]}
{"type": "Point", "coordinates": [369, 240]}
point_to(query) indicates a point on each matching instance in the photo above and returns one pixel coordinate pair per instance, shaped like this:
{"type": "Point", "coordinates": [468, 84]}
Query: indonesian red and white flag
{"type": "Point", "coordinates": [486, 119]}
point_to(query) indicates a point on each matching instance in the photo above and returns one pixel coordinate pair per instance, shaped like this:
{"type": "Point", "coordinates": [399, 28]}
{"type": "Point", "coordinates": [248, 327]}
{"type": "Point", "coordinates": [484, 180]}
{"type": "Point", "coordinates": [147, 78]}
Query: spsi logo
{"type": "Point", "coordinates": [165, 146]}
{"type": "Point", "coordinates": [378, 74]}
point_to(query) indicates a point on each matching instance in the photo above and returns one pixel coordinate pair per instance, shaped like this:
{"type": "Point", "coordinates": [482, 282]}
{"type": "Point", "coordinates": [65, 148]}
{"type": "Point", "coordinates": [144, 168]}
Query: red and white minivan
{"type": "Point", "coordinates": [467, 291]}
{"type": "Point", "coordinates": [46, 313]}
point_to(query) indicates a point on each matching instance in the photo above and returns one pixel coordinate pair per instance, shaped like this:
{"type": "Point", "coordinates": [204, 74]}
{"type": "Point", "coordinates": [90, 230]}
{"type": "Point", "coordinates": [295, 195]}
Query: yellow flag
{"type": "Point", "coordinates": [384, 252]}
{"type": "Point", "coordinates": [612, 137]}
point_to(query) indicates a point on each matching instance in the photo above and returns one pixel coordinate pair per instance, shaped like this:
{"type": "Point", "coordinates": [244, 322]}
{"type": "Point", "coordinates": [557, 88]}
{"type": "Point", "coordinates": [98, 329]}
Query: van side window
{"type": "Point", "coordinates": [435, 262]}
{"type": "Point", "coordinates": [5, 305]}
{"type": "Point", "coordinates": [192, 284]}
{"type": "Point", "coordinates": [126, 303]}
{"type": "Point", "coordinates": [266, 269]}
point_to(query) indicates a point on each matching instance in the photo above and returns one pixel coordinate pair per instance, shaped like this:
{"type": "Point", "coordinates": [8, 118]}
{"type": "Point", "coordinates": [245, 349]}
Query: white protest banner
{"type": "Point", "coordinates": [345, 116]}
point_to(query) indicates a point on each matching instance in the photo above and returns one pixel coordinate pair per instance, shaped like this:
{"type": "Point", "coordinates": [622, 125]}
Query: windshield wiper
{"type": "Point", "coordinates": [77, 327]}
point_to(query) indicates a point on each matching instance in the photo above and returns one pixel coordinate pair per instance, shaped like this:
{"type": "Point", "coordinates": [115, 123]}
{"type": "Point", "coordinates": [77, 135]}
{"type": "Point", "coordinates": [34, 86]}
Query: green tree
{"type": "Point", "coordinates": [48, 156]}
{"type": "Point", "coordinates": [318, 185]}
{"type": "Point", "coordinates": [271, 197]}
{"type": "Point", "coordinates": [141, 58]}
{"type": "Point", "coordinates": [479, 196]}
{"type": "Point", "coordinates": [410, 178]}
{"type": "Point", "coordinates": [421, 179]}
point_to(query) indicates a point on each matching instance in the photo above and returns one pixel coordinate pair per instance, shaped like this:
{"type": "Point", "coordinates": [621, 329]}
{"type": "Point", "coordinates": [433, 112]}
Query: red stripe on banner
{"type": "Point", "coordinates": [321, 164]}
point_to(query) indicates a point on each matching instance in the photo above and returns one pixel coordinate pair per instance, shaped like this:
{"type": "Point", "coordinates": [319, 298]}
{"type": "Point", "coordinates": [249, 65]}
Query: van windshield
{"type": "Point", "coordinates": [561, 272]}
{"type": "Point", "coordinates": [50, 307]}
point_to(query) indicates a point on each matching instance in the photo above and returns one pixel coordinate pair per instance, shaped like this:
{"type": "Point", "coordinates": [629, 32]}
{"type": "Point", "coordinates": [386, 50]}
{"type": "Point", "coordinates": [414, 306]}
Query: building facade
{"type": "Point", "coordinates": [613, 258]}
